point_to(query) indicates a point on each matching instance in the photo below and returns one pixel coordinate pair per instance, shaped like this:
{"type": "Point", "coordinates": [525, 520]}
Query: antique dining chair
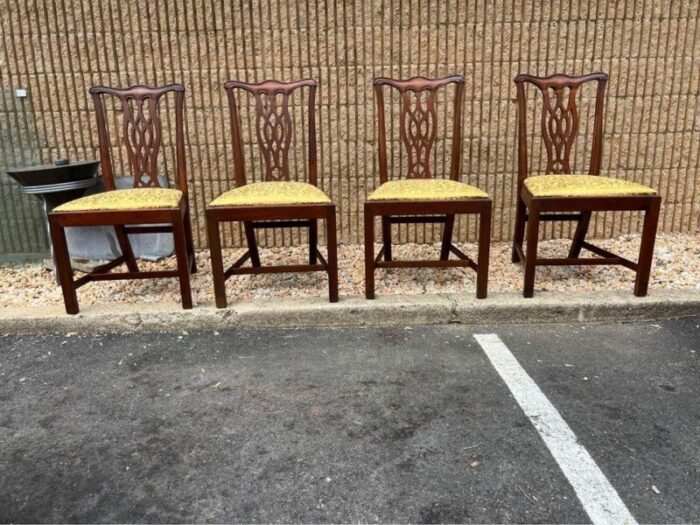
{"type": "Point", "coordinates": [277, 201]}
{"type": "Point", "coordinates": [146, 207]}
{"type": "Point", "coordinates": [422, 197]}
{"type": "Point", "coordinates": [562, 194]}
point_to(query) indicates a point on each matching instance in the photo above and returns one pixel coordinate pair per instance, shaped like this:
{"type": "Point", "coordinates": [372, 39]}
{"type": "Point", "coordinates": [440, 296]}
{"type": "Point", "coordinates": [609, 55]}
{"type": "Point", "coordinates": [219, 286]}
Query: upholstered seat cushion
{"type": "Point", "coordinates": [272, 193]}
{"type": "Point", "coordinates": [583, 186]}
{"type": "Point", "coordinates": [425, 190]}
{"type": "Point", "coordinates": [129, 199]}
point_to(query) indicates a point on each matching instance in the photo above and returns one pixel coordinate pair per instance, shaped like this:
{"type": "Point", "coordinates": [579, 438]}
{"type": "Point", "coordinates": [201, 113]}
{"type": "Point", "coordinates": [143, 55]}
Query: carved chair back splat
{"type": "Point", "coordinates": [559, 121]}
{"type": "Point", "coordinates": [559, 126]}
{"type": "Point", "coordinates": [141, 133]}
{"type": "Point", "coordinates": [418, 123]}
{"type": "Point", "coordinates": [274, 129]}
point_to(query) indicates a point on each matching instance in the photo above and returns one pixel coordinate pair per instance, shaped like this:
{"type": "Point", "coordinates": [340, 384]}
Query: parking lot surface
{"type": "Point", "coordinates": [345, 425]}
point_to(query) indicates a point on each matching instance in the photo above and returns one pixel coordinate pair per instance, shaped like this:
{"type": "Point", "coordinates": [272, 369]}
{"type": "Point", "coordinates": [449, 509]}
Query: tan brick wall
{"type": "Point", "coordinates": [651, 49]}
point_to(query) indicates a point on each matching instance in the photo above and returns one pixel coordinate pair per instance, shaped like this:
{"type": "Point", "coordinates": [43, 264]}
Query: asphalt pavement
{"type": "Point", "coordinates": [411, 424]}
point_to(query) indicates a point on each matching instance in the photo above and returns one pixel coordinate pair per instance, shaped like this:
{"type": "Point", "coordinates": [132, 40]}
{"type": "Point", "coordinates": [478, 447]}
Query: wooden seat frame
{"type": "Point", "coordinates": [142, 135]}
{"type": "Point", "coordinates": [274, 146]}
{"type": "Point", "coordinates": [418, 127]}
{"type": "Point", "coordinates": [559, 127]}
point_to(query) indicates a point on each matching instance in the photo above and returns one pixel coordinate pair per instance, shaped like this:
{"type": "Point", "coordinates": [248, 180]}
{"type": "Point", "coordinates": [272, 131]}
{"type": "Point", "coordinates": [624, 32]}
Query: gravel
{"type": "Point", "coordinates": [676, 265]}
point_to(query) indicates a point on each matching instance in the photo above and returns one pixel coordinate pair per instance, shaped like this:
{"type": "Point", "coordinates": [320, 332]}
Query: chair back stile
{"type": "Point", "coordinates": [418, 123]}
{"type": "Point", "coordinates": [559, 124]}
{"type": "Point", "coordinates": [274, 128]}
{"type": "Point", "coordinates": [142, 133]}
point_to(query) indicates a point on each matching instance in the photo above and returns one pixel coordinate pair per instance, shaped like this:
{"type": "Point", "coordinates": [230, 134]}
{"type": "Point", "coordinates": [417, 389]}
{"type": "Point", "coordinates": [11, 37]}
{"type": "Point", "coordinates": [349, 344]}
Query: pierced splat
{"type": "Point", "coordinates": [418, 123]}
{"type": "Point", "coordinates": [274, 126]}
{"type": "Point", "coordinates": [560, 122]}
{"type": "Point", "coordinates": [142, 135]}
{"type": "Point", "coordinates": [274, 131]}
{"type": "Point", "coordinates": [418, 128]}
{"type": "Point", "coordinates": [141, 132]}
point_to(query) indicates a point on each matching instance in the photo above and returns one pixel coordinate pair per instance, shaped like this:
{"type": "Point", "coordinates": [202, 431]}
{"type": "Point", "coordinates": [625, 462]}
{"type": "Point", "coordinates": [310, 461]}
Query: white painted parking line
{"type": "Point", "coordinates": [598, 497]}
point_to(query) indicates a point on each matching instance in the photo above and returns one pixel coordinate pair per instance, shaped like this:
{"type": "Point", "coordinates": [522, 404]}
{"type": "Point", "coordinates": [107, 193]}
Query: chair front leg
{"type": "Point", "coordinates": [190, 242]}
{"type": "Point", "coordinates": [217, 263]}
{"type": "Point", "coordinates": [332, 240]}
{"type": "Point", "coordinates": [519, 232]}
{"type": "Point", "coordinates": [580, 234]}
{"type": "Point", "coordinates": [313, 240]}
{"type": "Point", "coordinates": [369, 254]}
{"type": "Point", "coordinates": [447, 238]}
{"type": "Point", "coordinates": [63, 266]}
{"type": "Point", "coordinates": [533, 226]}
{"type": "Point", "coordinates": [386, 237]}
{"type": "Point", "coordinates": [482, 267]}
{"type": "Point", "coordinates": [646, 250]}
{"type": "Point", "coordinates": [183, 266]}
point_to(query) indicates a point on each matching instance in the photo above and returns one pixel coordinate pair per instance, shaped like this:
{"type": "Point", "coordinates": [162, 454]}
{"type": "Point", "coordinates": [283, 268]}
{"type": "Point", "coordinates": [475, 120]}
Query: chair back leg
{"type": "Point", "coordinates": [313, 240]}
{"type": "Point", "coordinates": [580, 234]}
{"type": "Point", "coordinates": [386, 237]}
{"type": "Point", "coordinates": [447, 238]}
{"type": "Point", "coordinates": [252, 244]}
{"type": "Point", "coordinates": [125, 247]}
{"type": "Point", "coordinates": [519, 233]}
{"type": "Point", "coordinates": [190, 242]}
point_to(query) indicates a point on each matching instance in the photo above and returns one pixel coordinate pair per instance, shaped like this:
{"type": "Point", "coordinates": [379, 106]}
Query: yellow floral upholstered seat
{"type": "Point", "coordinates": [583, 186]}
{"type": "Point", "coordinates": [425, 190]}
{"type": "Point", "coordinates": [129, 199]}
{"type": "Point", "coordinates": [273, 193]}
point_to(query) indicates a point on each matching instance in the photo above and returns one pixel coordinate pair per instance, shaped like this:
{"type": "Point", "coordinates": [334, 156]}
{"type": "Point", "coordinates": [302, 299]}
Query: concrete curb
{"type": "Point", "coordinates": [389, 310]}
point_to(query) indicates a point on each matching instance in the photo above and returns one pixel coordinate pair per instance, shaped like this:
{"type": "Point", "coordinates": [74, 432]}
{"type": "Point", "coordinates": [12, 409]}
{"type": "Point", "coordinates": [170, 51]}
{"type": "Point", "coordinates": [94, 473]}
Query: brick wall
{"type": "Point", "coordinates": [651, 49]}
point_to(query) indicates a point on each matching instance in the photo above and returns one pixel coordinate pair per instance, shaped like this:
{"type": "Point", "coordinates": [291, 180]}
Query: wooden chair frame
{"type": "Point", "coordinates": [559, 127]}
{"type": "Point", "coordinates": [274, 150]}
{"type": "Point", "coordinates": [424, 211]}
{"type": "Point", "coordinates": [142, 134]}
